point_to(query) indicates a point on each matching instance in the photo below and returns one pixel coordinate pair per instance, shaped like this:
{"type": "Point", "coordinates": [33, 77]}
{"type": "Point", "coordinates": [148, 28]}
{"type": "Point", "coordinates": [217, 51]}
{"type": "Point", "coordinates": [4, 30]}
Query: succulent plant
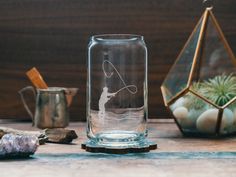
{"type": "Point", "coordinates": [220, 89]}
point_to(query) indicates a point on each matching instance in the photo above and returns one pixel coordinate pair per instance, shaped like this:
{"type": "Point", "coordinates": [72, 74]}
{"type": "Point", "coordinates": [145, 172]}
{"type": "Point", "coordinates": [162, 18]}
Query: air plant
{"type": "Point", "coordinates": [220, 89]}
{"type": "Point", "coordinates": [192, 101]}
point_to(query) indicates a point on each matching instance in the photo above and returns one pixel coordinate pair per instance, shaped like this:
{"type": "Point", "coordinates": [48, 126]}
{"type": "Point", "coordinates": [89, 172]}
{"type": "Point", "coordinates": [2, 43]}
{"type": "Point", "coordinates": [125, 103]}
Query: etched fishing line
{"type": "Point", "coordinates": [119, 75]}
{"type": "Point", "coordinates": [106, 96]}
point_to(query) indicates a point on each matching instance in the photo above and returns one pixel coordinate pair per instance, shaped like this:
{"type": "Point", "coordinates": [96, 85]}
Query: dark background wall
{"type": "Point", "coordinates": [53, 36]}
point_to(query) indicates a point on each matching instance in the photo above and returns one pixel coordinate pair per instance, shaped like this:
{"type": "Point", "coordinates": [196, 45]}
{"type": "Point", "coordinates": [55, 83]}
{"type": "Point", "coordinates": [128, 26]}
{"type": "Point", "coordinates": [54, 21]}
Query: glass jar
{"type": "Point", "coordinates": [117, 90]}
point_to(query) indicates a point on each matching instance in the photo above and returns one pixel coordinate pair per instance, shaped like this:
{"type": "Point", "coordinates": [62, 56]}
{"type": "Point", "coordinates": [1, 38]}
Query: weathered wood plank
{"type": "Point", "coordinates": [53, 34]}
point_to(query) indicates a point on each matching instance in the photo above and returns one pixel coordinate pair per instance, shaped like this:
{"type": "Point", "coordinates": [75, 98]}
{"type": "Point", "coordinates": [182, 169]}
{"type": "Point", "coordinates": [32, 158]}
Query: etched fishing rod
{"type": "Point", "coordinates": [119, 75]}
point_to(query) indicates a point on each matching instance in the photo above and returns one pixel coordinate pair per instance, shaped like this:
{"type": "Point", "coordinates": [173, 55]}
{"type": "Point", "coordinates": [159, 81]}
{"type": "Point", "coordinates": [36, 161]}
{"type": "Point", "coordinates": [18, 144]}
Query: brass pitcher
{"type": "Point", "coordinates": [51, 107]}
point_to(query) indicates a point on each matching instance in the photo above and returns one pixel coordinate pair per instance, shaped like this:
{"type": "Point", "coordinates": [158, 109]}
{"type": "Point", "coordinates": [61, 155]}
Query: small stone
{"type": "Point", "coordinates": [181, 114]}
{"type": "Point", "coordinates": [234, 116]}
{"type": "Point", "coordinates": [178, 103]}
{"type": "Point", "coordinates": [206, 122]}
{"type": "Point", "coordinates": [60, 135]}
{"type": "Point", "coordinates": [230, 117]}
{"type": "Point", "coordinates": [42, 138]}
{"type": "Point", "coordinates": [12, 145]}
{"type": "Point", "coordinates": [195, 113]}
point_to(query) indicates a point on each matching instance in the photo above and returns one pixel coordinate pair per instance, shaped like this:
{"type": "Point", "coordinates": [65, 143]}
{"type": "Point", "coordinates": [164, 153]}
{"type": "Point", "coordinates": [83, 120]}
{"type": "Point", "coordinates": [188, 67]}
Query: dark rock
{"type": "Point", "coordinates": [60, 135]}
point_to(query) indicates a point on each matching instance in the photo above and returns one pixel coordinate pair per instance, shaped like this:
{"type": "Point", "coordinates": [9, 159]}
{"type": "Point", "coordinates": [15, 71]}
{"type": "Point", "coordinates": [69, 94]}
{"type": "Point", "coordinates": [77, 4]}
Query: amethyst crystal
{"type": "Point", "coordinates": [18, 145]}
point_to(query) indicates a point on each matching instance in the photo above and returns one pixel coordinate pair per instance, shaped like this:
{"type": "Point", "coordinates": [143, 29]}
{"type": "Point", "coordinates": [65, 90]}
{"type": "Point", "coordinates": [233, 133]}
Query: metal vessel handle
{"type": "Point", "coordinates": [24, 102]}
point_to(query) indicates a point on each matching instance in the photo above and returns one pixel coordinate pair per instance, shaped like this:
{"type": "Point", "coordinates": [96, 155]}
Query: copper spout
{"type": "Point", "coordinates": [70, 93]}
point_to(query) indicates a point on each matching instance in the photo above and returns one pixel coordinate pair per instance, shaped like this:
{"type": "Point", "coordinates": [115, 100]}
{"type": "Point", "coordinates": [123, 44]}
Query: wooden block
{"type": "Point", "coordinates": [36, 78]}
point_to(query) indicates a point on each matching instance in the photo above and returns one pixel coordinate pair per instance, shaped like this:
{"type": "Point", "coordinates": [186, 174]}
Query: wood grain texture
{"type": "Point", "coordinates": [175, 157]}
{"type": "Point", "coordinates": [52, 35]}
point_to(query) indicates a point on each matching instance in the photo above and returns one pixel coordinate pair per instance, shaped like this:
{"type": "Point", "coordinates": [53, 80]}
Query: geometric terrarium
{"type": "Point", "coordinates": [200, 88]}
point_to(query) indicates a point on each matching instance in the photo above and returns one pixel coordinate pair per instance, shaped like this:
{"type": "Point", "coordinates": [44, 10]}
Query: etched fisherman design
{"type": "Point", "coordinates": [106, 96]}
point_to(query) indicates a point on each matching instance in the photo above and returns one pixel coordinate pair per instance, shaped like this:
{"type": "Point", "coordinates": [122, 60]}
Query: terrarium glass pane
{"type": "Point", "coordinates": [194, 115]}
{"type": "Point", "coordinates": [215, 66]}
{"type": "Point", "coordinates": [215, 58]}
{"type": "Point", "coordinates": [177, 78]}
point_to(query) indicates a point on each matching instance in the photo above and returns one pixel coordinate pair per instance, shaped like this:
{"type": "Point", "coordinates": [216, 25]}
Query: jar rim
{"type": "Point", "coordinates": [52, 89]}
{"type": "Point", "coordinates": [116, 37]}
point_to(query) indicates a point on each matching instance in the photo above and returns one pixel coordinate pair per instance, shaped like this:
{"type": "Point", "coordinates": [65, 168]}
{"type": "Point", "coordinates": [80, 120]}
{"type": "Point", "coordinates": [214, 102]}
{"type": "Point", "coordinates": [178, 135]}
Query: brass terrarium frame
{"type": "Point", "coordinates": [203, 22]}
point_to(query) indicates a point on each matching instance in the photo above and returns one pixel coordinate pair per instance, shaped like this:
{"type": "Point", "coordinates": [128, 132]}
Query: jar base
{"type": "Point", "coordinates": [119, 142]}
{"type": "Point", "coordinates": [119, 138]}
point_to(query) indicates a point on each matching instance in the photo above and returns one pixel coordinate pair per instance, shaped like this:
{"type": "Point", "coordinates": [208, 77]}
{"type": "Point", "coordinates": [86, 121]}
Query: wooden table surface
{"type": "Point", "coordinates": [175, 156]}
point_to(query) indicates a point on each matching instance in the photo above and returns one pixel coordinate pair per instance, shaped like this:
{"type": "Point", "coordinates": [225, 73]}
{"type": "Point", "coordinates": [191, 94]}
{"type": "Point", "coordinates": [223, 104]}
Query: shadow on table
{"type": "Point", "coordinates": [152, 155]}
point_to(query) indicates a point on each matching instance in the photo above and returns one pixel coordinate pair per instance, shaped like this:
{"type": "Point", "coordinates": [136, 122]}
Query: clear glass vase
{"type": "Point", "coordinates": [117, 90]}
